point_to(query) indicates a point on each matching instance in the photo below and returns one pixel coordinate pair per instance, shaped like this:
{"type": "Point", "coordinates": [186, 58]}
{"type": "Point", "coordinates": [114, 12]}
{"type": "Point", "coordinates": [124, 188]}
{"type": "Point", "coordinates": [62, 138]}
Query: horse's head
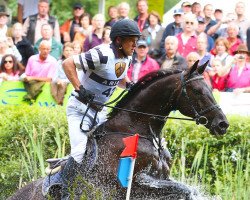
{"type": "Point", "coordinates": [196, 100]}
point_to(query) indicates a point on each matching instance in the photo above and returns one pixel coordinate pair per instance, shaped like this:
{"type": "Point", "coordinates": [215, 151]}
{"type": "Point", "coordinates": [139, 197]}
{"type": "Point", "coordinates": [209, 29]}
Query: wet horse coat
{"type": "Point", "coordinates": [152, 98]}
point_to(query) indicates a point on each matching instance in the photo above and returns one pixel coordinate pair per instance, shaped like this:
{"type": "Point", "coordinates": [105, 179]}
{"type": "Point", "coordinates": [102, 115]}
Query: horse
{"type": "Point", "coordinates": [144, 110]}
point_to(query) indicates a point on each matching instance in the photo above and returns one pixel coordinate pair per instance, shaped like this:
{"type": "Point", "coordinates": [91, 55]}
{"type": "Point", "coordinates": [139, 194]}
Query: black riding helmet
{"type": "Point", "coordinates": [124, 28]}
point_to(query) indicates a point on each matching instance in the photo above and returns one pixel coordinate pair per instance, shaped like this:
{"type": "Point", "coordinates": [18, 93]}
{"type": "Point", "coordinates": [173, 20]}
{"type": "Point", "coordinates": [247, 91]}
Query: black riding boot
{"type": "Point", "coordinates": [68, 176]}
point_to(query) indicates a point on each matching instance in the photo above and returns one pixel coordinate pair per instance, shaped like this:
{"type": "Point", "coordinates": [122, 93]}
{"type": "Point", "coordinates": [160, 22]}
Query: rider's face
{"type": "Point", "coordinates": [129, 44]}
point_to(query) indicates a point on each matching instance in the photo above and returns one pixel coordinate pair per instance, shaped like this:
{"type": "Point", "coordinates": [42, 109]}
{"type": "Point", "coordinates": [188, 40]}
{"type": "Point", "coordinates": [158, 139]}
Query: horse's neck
{"type": "Point", "coordinates": [149, 101]}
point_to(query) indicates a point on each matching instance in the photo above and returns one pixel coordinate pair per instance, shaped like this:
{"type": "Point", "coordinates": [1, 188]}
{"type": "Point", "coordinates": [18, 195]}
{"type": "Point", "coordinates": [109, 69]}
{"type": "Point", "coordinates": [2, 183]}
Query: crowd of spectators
{"type": "Point", "coordinates": [32, 49]}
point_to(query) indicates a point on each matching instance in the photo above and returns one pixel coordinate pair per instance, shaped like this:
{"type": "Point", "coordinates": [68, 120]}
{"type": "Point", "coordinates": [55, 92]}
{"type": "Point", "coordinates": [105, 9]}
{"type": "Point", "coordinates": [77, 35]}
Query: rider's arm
{"type": "Point", "coordinates": [124, 82]}
{"type": "Point", "coordinates": [70, 71]}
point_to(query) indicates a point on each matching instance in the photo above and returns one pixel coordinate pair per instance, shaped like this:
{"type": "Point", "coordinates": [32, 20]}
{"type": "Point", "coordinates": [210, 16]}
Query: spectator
{"type": "Point", "coordinates": [77, 47]}
{"type": "Point", "coordinates": [142, 17]}
{"type": "Point", "coordinates": [218, 15]}
{"type": "Point", "coordinates": [26, 8]}
{"type": "Point", "coordinates": [188, 38]}
{"type": "Point", "coordinates": [153, 35]}
{"type": "Point", "coordinates": [221, 52]}
{"type": "Point", "coordinates": [95, 38]}
{"type": "Point", "coordinates": [106, 35]}
{"type": "Point", "coordinates": [4, 30]}
{"type": "Point", "coordinates": [32, 25]}
{"type": "Point", "coordinates": [71, 26]}
{"type": "Point", "coordinates": [202, 43]}
{"type": "Point", "coordinates": [9, 69]}
{"type": "Point", "coordinates": [238, 79]}
{"type": "Point", "coordinates": [172, 29]}
{"type": "Point", "coordinates": [113, 15]}
{"type": "Point", "coordinates": [248, 38]}
{"type": "Point", "coordinates": [196, 9]}
{"type": "Point", "coordinates": [208, 13]}
{"type": "Point", "coordinates": [234, 41]}
{"type": "Point", "coordinates": [47, 34]}
{"type": "Point", "coordinates": [220, 29]}
{"type": "Point", "coordinates": [191, 58]}
{"type": "Point", "coordinates": [186, 7]}
{"type": "Point", "coordinates": [7, 47]}
{"type": "Point", "coordinates": [241, 20]}
{"type": "Point", "coordinates": [22, 44]}
{"type": "Point", "coordinates": [85, 29]}
{"type": "Point", "coordinates": [216, 78]}
{"type": "Point", "coordinates": [40, 69]}
{"type": "Point", "coordinates": [60, 81]}
{"type": "Point", "coordinates": [123, 10]}
{"type": "Point", "coordinates": [172, 60]}
{"type": "Point", "coordinates": [142, 64]}
{"type": "Point", "coordinates": [201, 29]}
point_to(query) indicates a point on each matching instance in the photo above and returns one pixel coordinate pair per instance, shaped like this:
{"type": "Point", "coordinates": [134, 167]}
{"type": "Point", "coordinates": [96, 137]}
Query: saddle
{"type": "Point", "coordinates": [55, 166]}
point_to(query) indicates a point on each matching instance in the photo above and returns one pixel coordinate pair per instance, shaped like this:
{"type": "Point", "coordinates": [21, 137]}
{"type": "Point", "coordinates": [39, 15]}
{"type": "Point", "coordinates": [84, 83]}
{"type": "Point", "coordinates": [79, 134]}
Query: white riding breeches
{"type": "Point", "coordinates": [78, 138]}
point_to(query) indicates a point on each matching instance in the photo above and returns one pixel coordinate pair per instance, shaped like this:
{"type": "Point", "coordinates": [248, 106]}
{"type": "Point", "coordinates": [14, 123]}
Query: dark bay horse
{"type": "Point", "coordinates": [150, 100]}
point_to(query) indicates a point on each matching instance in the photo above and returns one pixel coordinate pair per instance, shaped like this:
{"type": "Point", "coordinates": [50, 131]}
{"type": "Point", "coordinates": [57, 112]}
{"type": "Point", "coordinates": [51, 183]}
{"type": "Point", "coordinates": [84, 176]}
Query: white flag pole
{"type": "Point", "coordinates": [130, 178]}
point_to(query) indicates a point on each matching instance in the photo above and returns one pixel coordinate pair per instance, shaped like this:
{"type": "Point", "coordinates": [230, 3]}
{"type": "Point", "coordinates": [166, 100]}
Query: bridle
{"type": "Point", "coordinates": [198, 116]}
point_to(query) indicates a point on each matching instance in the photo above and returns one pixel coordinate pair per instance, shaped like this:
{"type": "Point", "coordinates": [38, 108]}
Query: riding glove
{"type": "Point", "coordinates": [85, 96]}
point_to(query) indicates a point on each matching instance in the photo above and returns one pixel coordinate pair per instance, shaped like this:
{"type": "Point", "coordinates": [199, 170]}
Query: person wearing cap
{"type": "Point", "coordinates": [186, 7]}
{"type": "Point", "coordinates": [32, 25]}
{"type": "Point", "coordinates": [142, 64]}
{"type": "Point", "coordinates": [72, 26]}
{"type": "Point", "coordinates": [201, 29]}
{"type": "Point", "coordinates": [103, 68]}
{"type": "Point", "coordinates": [172, 29]}
{"type": "Point", "coordinates": [4, 30]}
{"type": "Point", "coordinates": [218, 15]}
{"type": "Point", "coordinates": [238, 77]}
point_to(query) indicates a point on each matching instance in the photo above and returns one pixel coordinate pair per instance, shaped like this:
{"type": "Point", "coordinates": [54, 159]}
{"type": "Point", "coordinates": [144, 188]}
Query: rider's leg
{"type": "Point", "coordinates": [78, 142]}
{"type": "Point", "coordinates": [68, 177]}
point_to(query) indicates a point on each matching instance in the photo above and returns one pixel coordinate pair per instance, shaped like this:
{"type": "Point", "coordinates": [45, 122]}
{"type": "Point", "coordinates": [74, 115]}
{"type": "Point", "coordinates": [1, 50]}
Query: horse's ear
{"type": "Point", "coordinates": [193, 68]}
{"type": "Point", "coordinates": [202, 68]}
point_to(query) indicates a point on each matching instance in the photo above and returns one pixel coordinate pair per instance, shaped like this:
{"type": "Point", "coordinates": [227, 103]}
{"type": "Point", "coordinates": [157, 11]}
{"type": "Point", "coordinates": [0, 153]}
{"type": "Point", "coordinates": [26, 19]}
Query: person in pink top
{"type": "Point", "coordinates": [40, 69]}
{"type": "Point", "coordinates": [42, 66]}
{"type": "Point", "coordinates": [142, 64]}
{"type": "Point", "coordinates": [238, 78]}
{"type": "Point", "coordinates": [188, 38]}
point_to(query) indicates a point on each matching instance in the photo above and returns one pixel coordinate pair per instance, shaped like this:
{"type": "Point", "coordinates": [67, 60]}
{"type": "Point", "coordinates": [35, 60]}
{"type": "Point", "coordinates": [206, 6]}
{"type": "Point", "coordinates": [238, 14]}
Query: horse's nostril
{"type": "Point", "coordinates": [223, 124]}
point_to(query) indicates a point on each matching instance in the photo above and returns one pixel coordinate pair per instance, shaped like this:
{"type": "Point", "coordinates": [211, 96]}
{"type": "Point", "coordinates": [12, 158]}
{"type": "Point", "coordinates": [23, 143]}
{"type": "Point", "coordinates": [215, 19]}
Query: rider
{"type": "Point", "coordinates": [103, 66]}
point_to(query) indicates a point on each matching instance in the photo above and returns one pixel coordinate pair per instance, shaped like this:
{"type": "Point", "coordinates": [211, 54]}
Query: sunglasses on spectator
{"type": "Point", "coordinates": [192, 23]}
{"type": "Point", "coordinates": [8, 61]}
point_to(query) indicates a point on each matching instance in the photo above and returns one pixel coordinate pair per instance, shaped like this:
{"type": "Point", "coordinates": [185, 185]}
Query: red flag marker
{"type": "Point", "coordinates": [131, 144]}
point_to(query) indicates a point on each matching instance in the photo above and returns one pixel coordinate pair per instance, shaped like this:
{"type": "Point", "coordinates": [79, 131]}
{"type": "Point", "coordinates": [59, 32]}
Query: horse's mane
{"type": "Point", "coordinates": [142, 83]}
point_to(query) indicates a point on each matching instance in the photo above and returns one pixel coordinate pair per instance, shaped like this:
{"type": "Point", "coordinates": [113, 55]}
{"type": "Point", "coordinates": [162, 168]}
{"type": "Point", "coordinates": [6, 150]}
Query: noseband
{"type": "Point", "coordinates": [199, 116]}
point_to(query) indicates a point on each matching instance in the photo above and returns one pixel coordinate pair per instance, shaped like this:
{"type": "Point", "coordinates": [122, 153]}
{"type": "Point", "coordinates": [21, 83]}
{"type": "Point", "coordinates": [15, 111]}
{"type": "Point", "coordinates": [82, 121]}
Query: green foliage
{"type": "Point", "coordinates": [29, 135]}
{"type": "Point", "coordinates": [220, 164]}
